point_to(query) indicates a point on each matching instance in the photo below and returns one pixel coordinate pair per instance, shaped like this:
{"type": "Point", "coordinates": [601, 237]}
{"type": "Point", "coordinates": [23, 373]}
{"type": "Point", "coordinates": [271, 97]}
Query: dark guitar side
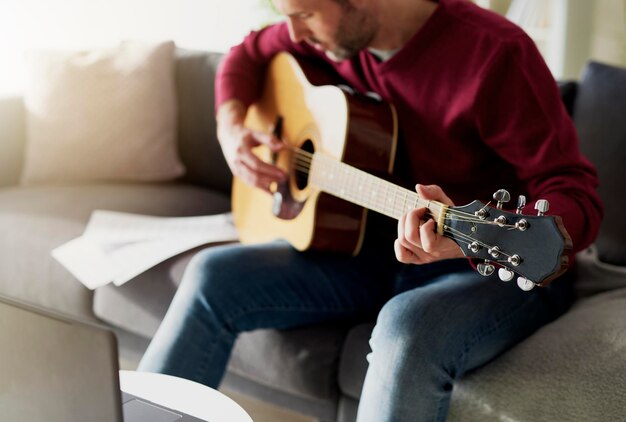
{"type": "Point", "coordinates": [370, 146]}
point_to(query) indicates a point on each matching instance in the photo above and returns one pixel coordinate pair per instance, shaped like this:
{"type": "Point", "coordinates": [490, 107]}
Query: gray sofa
{"type": "Point", "coordinates": [572, 369]}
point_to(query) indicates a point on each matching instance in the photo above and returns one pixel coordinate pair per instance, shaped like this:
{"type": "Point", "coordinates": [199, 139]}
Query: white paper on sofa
{"type": "Point", "coordinates": [116, 247]}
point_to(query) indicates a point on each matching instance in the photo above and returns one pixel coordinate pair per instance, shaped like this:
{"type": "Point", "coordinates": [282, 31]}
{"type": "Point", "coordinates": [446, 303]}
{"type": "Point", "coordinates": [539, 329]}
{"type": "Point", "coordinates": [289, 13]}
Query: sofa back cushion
{"type": "Point", "coordinates": [197, 139]}
{"type": "Point", "coordinates": [600, 117]}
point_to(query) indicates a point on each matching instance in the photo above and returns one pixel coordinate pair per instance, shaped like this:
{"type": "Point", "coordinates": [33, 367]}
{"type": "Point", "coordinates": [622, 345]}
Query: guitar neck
{"type": "Point", "coordinates": [356, 186]}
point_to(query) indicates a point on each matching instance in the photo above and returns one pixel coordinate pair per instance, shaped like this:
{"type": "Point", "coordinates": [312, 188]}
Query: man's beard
{"type": "Point", "coordinates": [356, 31]}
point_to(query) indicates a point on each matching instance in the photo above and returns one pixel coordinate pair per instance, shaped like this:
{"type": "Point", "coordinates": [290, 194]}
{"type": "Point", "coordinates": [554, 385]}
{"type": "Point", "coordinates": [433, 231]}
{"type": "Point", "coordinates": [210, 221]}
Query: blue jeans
{"type": "Point", "coordinates": [435, 322]}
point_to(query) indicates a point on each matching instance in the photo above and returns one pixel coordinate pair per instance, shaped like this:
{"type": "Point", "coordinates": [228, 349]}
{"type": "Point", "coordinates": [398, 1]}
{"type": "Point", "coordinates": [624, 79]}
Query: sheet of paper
{"type": "Point", "coordinates": [116, 247]}
{"type": "Point", "coordinates": [86, 261]}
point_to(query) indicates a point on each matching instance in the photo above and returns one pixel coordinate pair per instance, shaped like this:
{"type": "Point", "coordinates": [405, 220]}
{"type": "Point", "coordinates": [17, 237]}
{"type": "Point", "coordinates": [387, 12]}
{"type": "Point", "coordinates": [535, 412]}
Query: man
{"type": "Point", "coordinates": [478, 110]}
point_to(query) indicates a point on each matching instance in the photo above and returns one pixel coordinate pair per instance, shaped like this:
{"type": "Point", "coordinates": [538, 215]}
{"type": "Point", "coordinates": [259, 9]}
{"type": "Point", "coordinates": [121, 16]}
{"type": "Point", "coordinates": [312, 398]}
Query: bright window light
{"type": "Point", "coordinates": [212, 25]}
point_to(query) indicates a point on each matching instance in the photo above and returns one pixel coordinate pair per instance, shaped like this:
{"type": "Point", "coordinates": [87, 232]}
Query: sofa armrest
{"type": "Point", "coordinates": [12, 139]}
{"type": "Point", "coordinates": [594, 276]}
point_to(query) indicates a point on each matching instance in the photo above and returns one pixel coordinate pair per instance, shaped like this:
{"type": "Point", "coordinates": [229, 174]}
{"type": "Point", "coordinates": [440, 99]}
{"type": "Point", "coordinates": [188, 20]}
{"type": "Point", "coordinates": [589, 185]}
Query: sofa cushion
{"type": "Point", "coordinates": [139, 305]}
{"type": "Point", "coordinates": [594, 276]}
{"type": "Point", "coordinates": [353, 364]}
{"type": "Point", "coordinates": [577, 359]}
{"type": "Point", "coordinates": [599, 118]}
{"type": "Point", "coordinates": [36, 219]}
{"type": "Point", "coordinates": [300, 361]}
{"type": "Point", "coordinates": [102, 115]}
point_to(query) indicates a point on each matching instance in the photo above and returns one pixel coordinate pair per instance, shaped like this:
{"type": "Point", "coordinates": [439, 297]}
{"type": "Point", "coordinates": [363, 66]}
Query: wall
{"type": "Point", "coordinates": [570, 32]}
{"type": "Point", "coordinates": [592, 30]}
{"type": "Point", "coordinates": [608, 41]}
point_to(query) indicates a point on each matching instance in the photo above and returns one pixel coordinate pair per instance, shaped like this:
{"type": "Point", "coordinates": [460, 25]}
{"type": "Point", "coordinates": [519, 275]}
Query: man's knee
{"type": "Point", "coordinates": [212, 273]}
{"type": "Point", "coordinates": [418, 325]}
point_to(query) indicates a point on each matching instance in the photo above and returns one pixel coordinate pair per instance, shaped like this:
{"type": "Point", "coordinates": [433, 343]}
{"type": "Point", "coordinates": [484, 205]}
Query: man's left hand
{"type": "Point", "coordinates": [418, 242]}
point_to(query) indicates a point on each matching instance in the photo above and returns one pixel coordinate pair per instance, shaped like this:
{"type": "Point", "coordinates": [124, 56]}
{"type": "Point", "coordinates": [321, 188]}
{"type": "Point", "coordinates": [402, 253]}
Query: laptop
{"type": "Point", "coordinates": [54, 368]}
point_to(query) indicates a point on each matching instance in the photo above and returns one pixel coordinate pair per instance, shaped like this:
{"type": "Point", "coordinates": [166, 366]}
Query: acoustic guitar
{"type": "Point", "coordinates": [336, 141]}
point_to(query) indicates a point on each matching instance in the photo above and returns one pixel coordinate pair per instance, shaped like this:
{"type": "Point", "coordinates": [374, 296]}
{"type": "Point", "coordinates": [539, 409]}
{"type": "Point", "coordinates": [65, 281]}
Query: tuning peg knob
{"type": "Point", "coordinates": [542, 206]}
{"type": "Point", "coordinates": [505, 274]}
{"type": "Point", "coordinates": [485, 268]}
{"type": "Point", "coordinates": [525, 284]}
{"type": "Point", "coordinates": [502, 196]}
{"type": "Point", "coordinates": [521, 203]}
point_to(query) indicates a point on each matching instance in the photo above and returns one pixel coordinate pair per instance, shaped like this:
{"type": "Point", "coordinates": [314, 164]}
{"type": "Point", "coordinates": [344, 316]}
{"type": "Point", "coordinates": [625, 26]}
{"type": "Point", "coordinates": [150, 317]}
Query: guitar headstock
{"type": "Point", "coordinates": [533, 247]}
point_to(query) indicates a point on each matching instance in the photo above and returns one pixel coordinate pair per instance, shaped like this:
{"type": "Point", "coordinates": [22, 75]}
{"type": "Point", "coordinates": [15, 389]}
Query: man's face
{"type": "Point", "coordinates": [340, 30]}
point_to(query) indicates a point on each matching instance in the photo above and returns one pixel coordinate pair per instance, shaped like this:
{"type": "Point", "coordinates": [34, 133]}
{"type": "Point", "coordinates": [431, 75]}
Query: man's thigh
{"type": "Point", "coordinates": [463, 319]}
{"type": "Point", "coordinates": [273, 285]}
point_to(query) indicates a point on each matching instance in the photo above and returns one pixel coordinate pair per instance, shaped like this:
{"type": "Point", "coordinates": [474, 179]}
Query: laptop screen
{"type": "Point", "coordinates": [56, 369]}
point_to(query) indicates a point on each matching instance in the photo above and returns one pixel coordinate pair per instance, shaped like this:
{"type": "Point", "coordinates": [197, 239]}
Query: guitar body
{"type": "Point", "coordinates": [356, 130]}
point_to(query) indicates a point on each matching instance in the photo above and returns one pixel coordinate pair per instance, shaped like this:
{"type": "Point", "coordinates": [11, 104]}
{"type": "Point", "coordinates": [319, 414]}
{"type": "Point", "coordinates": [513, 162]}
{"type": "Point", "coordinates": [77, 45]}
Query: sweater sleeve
{"type": "Point", "coordinates": [241, 73]}
{"type": "Point", "coordinates": [519, 113]}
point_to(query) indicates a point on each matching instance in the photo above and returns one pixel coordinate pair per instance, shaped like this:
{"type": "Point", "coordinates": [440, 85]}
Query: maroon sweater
{"type": "Point", "coordinates": [478, 110]}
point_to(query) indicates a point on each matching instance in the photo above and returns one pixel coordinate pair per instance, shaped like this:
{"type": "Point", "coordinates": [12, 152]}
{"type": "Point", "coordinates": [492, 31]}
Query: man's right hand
{"type": "Point", "coordinates": [237, 142]}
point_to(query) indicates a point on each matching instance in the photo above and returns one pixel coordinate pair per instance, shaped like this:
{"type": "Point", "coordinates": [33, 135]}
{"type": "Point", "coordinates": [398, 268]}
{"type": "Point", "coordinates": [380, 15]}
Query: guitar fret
{"type": "Point", "coordinates": [387, 199]}
{"type": "Point", "coordinates": [404, 208]}
{"type": "Point", "coordinates": [393, 199]}
{"type": "Point", "coordinates": [359, 187]}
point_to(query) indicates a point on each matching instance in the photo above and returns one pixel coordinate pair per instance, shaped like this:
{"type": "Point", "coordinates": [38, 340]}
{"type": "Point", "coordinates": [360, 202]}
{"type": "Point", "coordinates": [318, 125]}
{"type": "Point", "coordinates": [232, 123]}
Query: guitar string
{"type": "Point", "coordinates": [379, 201]}
{"type": "Point", "coordinates": [303, 164]}
{"type": "Point", "coordinates": [400, 197]}
{"type": "Point", "coordinates": [456, 234]}
{"type": "Point", "coordinates": [304, 159]}
{"type": "Point", "coordinates": [468, 239]}
{"type": "Point", "coordinates": [400, 194]}
{"type": "Point", "coordinates": [453, 214]}
{"type": "Point", "coordinates": [448, 232]}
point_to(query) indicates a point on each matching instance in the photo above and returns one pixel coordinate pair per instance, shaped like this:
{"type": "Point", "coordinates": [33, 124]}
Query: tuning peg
{"type": "Point", "coordinates": [521, 203]}
{"type": "Point", "coordinates": [525, 284]}
{"type": "Point", "coordinates": [485, 268]}
{"type": "Point", "coordinates": [502, 196]}
{"type": "Point", "coordinates": [505, 274]}
{"type": "Point", "coordinates": [542, 206]}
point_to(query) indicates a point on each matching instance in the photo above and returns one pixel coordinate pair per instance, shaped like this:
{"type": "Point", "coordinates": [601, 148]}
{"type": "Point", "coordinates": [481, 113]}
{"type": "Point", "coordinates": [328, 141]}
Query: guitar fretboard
{"type": "Point", "coordinates": [356, 186]}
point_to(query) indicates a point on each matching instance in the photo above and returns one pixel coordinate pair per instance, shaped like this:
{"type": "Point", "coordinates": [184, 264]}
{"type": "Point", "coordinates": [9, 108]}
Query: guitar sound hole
{"type": "Point", "coordinates": [301, 173]}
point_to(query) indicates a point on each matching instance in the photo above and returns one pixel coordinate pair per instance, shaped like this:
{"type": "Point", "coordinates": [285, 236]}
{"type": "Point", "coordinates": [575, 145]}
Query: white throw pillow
{"type": "Point", "coordinates": [102, 115]}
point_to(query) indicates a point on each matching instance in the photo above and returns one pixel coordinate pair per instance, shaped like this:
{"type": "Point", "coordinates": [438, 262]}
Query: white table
{"type": "Point", "coordinates": [183, 395]}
